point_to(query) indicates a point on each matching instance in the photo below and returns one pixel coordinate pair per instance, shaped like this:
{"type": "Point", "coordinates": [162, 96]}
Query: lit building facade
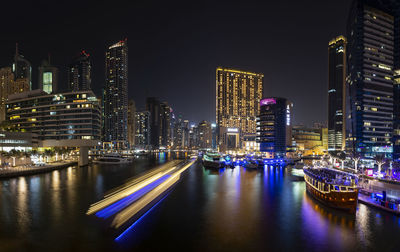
{"type": "Point", "coordinates": [6, 88]}
{"type": "Point", "coordinates": [9, 86]}
{"type": "Point", "coordinates": [131, 123]}
{"type": "Point", "coordinates": [142, 136]}
{"type": "Point", "coordinates": [116, 95]}
{"type": "Point", "coordinates": [371, 57]}
{"type": "Point", "coordinates": [337, 94]}
{"type": "Point", "coordinates": [205, 135]}
{"type": "Point", "coordinates": [238, 94]}
{"type": "Point", "coordinates": [310, 141]}
{"type": "Point", "coordinates": [55, 117]}
{"type": "Point", "coordinates": [274, 126]}
{"type": "Point", "coordinates": [22, 69]}
{"type": "Point", "coordinates": [79, 73]}
{"type": "Point", "coordinates": [48, 77]}
{"type": "Point", "coordinates": [160, 125]}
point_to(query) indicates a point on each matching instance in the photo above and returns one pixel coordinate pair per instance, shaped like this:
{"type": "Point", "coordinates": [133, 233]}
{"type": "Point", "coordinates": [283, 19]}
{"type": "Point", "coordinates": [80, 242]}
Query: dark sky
{"type": "Point", "coordinates": [175, 48]}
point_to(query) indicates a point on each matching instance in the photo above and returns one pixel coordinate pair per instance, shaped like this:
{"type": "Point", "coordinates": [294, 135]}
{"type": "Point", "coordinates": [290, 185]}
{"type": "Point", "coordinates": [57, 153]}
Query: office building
{"type": "Point", "coordinates": [142, 136]}
{"type": "Point", "coordinates": [337, 94]}
{"type": "Point", "coordinates": [22, 69]}
{"type": "Point", "coordinates": [116, 95]}
{"type": "Point", "coordinates": [131, 123]}
{"type": "Point", "coordinates": [238, 94]}
{"type": "Point", "coordinates": [63, 116]}
{"type": "Point", "coordinates": [310, 141]}
{"type": "Point", "coordinates": [274, 130]}
{"type": "Point", "coordinates": [371, 53]}
{"type": "Point", "coordinates": [79, 73]}
{"type": "Point", "coordinates": [48, 77]}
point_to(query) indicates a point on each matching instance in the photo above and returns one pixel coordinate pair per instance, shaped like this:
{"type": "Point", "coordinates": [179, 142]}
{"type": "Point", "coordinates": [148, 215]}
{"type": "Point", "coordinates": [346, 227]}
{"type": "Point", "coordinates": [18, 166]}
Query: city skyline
{"type": "Point", "coordinates": [156, 55]}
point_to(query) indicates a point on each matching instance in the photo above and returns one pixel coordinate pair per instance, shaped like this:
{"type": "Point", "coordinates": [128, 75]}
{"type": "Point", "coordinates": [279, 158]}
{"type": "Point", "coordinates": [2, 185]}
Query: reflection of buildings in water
{"type": "Point", "coordinates": [334, 216]}
{"type": "Point", "coordinates": [363, 225]}
{"type": "Point", "coordinates": [71, 191]}
{"type": "Point", "coordinates": [55, 195]}
{"type": "Point", "coordinates": [22, 212]}
{"type": "Point", "coordinates": [233, 195]}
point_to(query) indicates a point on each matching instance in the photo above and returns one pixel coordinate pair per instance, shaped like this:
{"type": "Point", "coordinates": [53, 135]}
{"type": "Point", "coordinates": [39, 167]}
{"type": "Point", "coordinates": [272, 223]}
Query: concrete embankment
{"type": "Point", "coordinates": [33, 170]}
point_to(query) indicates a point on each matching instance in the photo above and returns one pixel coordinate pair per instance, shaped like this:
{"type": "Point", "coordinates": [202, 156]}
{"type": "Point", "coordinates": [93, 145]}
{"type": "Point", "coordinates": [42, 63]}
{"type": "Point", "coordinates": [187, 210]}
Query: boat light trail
{"type": "Point", "coordinates": [127, 201]}
{"type": "Point", "coordinates": [121, 204]}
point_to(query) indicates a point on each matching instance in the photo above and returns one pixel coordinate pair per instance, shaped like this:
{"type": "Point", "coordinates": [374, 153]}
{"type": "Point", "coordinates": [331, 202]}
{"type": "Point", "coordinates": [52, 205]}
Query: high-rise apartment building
{"type": "Point", "coordinates": [22, 69]}
{"type": "Point", "coordinates": [205, 135]}
{"type": "Point", "coordinates": [160, 116]}
{"type": "Point", "coordinates": [337, 94]}
{"type": "Point", "coordinates": [371, 60]}
{"type": "Point", "coordinates": [48, 77]}
{"type": "Point", "coordinates": [79, 73]}
{"type": "Point", "coordinates": [116, 95]}
{"type": "Point", "coordinates": [142, 137]}
{"type": "Point", "coordinates": [238, 94]}
{"type": "Point", "coordinates": [131, 123]}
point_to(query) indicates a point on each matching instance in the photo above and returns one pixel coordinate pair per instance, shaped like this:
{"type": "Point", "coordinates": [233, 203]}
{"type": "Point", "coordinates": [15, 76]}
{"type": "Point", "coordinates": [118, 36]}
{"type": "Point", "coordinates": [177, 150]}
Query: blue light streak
{"type": "Point", "coordinates": [138, 220]}
{"type": "Point", "coordinates": [121, 204]}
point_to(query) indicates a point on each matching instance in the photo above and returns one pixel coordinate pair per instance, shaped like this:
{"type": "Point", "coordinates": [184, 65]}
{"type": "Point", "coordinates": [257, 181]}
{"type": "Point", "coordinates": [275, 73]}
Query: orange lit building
{"type": "Point", "coordinates": [238, 94]}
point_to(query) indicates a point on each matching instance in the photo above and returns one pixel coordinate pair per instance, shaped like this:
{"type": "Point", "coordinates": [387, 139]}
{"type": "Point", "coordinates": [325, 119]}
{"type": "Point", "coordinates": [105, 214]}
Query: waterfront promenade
{"type": "Point", "coordinates": [32, 170]}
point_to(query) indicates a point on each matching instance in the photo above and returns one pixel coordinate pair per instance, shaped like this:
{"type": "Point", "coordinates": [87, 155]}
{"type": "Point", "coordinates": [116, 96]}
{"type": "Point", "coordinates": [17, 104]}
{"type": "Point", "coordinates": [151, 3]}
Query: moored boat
{"type": "Point", "coordinates": [113, 158]}
{"type": "Point", "coordinates": [212, 160]}
{"type": "Point", "coordinates": [334, 188]}
{"type": "Point", "coordinates": [250, 164]}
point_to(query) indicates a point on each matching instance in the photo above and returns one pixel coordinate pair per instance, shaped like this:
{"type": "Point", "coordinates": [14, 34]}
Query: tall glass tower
{"type": "Point", "coordinates": [116, 95]}
{"type": "Point", "coordinates": [336, 93]}
{"type": "Point", "coordinates": [371, 58]}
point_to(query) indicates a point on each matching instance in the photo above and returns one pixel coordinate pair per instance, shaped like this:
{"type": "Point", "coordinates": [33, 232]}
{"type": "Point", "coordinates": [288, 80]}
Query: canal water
{"type": "Point", "coordinates": [225, 210]}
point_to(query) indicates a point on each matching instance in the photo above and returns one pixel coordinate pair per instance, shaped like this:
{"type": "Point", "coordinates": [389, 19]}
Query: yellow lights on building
{"type": "Point", "coordinates": [14, 117]}
{"type": "Point", "coordinates": [337, 39]}
{"type": "Point", "coordinates": [238, 94]}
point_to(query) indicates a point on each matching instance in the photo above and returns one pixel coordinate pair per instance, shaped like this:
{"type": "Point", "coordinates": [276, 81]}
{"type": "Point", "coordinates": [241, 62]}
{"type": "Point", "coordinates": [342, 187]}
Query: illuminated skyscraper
{"type": "Point", "coordinates": [22, 69]}
{"type": "Point", "coordinates": [142, 137]}
{"type": "Point", "coordinates": [48, 77]}
{"type": "Point", "coordinates": [274, 129]}
{"type": "Point", "coordinates": [6, 88]}
{"type": "Point", "coordinates": [238, 95]}
{"type": "Point", "coordinates": [336, 94]}
{"type": "Point", "coordinates": [205, 135]}
{"type": "Point", "coordinates": [116, 94]}
{"type": "Point", "coordinates": [79, 73]}
{"type": "Point", "coordinates": [371, 52]}
{"type": "Point", "coordinates": [160, 126]}
{"type": "Point", "coordinates": [131, 123]}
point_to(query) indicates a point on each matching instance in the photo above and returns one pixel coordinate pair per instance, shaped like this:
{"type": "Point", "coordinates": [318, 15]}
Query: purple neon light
{"type": "Point", "coordinates": [267, 101]}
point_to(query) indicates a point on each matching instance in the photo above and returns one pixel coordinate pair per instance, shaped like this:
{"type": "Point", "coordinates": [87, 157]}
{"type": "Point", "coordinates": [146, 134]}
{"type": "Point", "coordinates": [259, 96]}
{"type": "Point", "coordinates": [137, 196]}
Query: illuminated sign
{"type": "Point", "coordinates": [288, 115]}
{"type": "Point", "coordinates": [267, 101]}
{"type": "Point", "coordinates": [233, 130]}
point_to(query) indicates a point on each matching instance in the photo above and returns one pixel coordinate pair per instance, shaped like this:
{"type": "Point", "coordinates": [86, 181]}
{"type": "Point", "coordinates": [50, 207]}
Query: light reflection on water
{"type": "Point", "coordinates": [226, 209]}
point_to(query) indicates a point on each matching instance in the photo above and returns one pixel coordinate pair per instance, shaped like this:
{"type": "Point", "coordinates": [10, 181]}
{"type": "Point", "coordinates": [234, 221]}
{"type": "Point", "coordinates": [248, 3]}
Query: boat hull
{"type": "Point", "coordinates": [346, 201]}
{"type": "Point", "coordinates": [211, 165]}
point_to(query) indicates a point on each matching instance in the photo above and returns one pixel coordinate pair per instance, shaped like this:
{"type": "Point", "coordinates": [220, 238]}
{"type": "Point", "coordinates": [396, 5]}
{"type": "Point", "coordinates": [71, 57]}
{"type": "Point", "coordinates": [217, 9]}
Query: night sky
{"type": "Point", "coordinates": [174, 48]}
